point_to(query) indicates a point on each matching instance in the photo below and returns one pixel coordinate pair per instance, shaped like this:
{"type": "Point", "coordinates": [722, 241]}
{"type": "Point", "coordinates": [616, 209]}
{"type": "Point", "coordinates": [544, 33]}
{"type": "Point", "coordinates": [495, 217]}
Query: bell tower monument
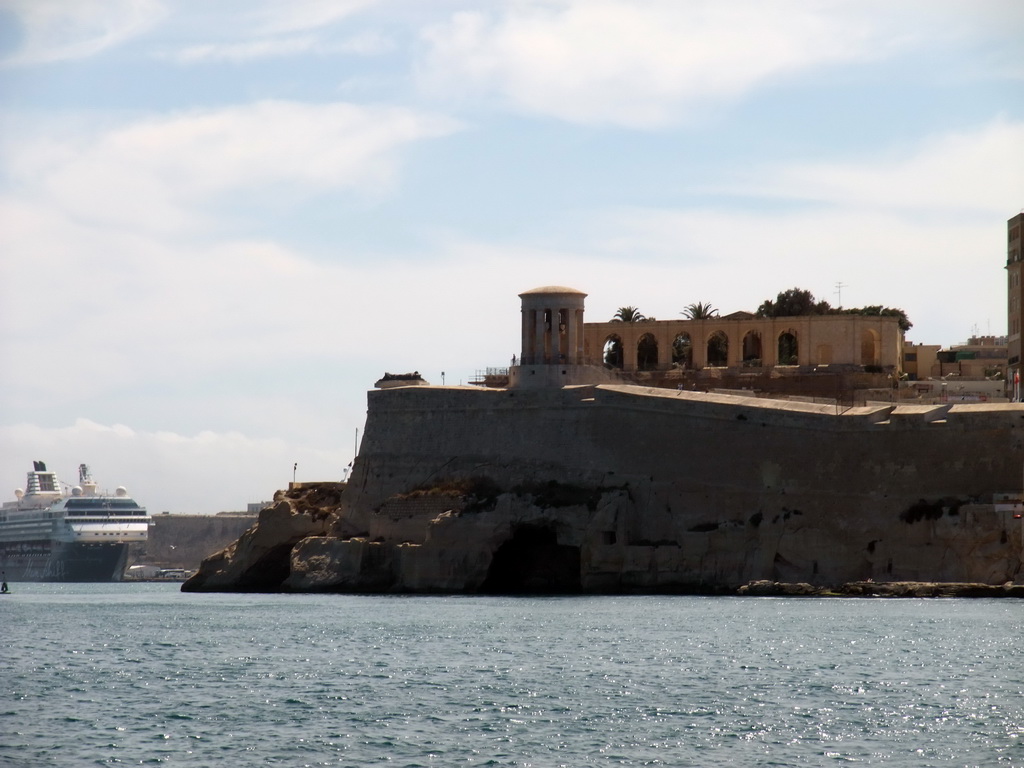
{"type": "Point", "coordinates": [552, 340]}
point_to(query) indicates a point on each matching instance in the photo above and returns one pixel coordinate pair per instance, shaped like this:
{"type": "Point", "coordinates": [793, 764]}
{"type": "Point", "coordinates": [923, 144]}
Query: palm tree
{"type": "Point", "coordinates": [628, 315]}
{"type": "Point", "coordinates": [699, 311]}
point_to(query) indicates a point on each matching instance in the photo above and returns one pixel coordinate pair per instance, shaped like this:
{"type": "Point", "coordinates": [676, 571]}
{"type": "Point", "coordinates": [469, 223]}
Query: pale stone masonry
{"type": "Point", "coordinates": [755, 342]}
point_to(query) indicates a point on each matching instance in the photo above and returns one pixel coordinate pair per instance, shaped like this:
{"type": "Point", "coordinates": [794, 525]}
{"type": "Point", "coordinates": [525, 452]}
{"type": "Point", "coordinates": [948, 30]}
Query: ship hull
{"type": "Point", "coordinates": [63, 562]}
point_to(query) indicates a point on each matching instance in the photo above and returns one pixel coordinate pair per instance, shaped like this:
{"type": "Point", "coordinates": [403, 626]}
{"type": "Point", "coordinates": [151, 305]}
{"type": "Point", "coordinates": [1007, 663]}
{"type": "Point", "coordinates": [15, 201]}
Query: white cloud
{"type": "Point", "coordinates": [202, 473]}
{"type": "Point", "coordinates": [363, 44]}
{"type": "Point", "coordinates": [625, 63]}
{"type": "Point", "coordinates": [272, 18]}
{"type": "Point", "coordinates": [157, 173]}
{"type": "Point", "coordinates": [57, 30]}
{"type": "Point", "coordinates": [661, 62]}
{"type": "Point", "coordinates": [257, 30]}
{"type": "Point", "coordinates": [969, 172]}
{"type": "Point", "coordinates": [921, 231]}
{"type": "Point", "coordinates": [944, 273]}
{"type": "Point", "coordinates": [250, 49]}
{"type": "Point", "coordinates": [367, 44]}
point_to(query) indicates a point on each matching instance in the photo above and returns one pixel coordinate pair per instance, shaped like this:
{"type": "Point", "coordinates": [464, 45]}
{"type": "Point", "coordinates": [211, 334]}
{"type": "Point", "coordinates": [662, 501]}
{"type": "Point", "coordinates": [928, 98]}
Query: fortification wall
{"type": "Point", "coordinates": [688, 440]}
{"type": "Point", "coordinates": [693, 488]}
{"type": "Point", "coordinates": [182, 541]}
{"type": "Point", "coordinates": [619, 488]}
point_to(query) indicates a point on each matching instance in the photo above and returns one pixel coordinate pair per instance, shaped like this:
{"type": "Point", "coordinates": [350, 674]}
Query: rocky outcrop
{"type": "Point", "coordinates": [607, 489]}
{"type": "Point", "coordinates": [259, 560]}
{"type": "Point", "coordinates": [882, 589]}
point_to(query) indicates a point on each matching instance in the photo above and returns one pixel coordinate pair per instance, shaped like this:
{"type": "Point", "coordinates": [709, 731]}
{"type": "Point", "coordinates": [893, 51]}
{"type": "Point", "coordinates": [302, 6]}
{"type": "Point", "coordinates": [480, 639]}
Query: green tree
{"type": "Point", "coordinates": [877, 310]}
{"type": "Point", "coordinates": [699, 311]}
{"type": "Point", "coordinates": [682, 350]}
{"type": "Point", "coordinates": [793, 303]}
{"type": "Point", "coordinates": [798, 301]}
{"type": "Point", "coordinates": [629, 315]}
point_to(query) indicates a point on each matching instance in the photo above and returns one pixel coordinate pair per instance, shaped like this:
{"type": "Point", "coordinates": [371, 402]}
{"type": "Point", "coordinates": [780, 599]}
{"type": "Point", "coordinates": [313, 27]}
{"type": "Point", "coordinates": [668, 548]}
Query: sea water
{"type": "Point", "coordinates": [141, 674]}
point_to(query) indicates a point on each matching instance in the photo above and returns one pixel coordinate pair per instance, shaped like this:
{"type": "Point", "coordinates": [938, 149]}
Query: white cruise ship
{"type": "Point", "coordinates": [47, 535]}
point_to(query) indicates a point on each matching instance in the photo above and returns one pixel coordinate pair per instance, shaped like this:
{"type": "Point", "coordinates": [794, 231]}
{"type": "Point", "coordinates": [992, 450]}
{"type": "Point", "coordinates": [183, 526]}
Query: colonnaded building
{"type": "Point", "coordinates": [811, 354]}
{"type": "Point", "coordinates": [846, 357]}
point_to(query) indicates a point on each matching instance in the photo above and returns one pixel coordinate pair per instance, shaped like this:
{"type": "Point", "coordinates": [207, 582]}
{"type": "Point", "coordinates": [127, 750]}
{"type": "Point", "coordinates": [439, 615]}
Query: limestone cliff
{"type": "Point", "coordinates": [259, 560]}
{"type": "Point", "coordinates": [623, 488]}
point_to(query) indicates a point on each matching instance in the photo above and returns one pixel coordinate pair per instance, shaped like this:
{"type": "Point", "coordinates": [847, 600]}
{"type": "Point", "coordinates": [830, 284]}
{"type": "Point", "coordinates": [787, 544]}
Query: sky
{"type": "Point", "coordinates": [222, 222]}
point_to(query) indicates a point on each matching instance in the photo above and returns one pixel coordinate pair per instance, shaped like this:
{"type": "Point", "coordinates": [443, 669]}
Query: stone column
{"type": "Point", "coordinates": [556, 335]}
{"type": "Point", "coordinates": [734, 359]}
{"type": "Point", "coordinates": [699, 345]}
{"type": "Point", "coordinates": [572, 335]}
{"type": "Point", "coordinates": [539, 353]}
{"type": "Point", "coordinates": [526, 351]}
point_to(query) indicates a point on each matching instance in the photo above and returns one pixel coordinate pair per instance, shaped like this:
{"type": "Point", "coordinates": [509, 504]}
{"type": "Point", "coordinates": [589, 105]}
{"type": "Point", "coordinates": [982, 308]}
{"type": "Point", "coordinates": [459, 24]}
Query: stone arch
{"type": "Point", "coordinates": [752, 353]}
{"type": "Point", "coordinates": [611, 354]}
{"type": "Point", "coordinates": [789, 348]}
{"type": "Point", "coordinates": [718, 350]}
{"type": "Point", "coordinates": [870, 347]}
{"type": "Point", "coordinates": [647, 353]}
{"type": "Point", "coordinates": [682, 350]}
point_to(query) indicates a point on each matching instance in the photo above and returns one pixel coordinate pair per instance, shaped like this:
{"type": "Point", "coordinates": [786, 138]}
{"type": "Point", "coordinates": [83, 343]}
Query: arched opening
{"type": "Point", "coordinates": [752, 349]}
{"type": "Point", "coordinates": [612, 353]}
{"type": "Point", "coordinates": [682, 351]}
{"type": "Point", "coordinates": [533, 562]}
{"type": "Point", "coordinates": [869, 348]}
{"type": "Point", "coordinates": [268, 573]}
{"type": "Point", "coordinates": [718, 350]}
{"type": "Point", "coordinates": [788, 348]}
{"type": "Point", "coordinates": [543, 354]}
{"type": "Point", "coordinates": [647, 353]}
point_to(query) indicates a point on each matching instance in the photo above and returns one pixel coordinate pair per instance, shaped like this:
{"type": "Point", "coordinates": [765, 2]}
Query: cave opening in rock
{"type": "Point", "coordinates": [533, 562]}
{"type": "Point", "coordinates": [269, 572]}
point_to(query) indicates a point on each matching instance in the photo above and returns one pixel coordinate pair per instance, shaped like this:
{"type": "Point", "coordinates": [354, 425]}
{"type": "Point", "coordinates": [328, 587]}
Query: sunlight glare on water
{"type": "Point", "coordinates": [141, 674]}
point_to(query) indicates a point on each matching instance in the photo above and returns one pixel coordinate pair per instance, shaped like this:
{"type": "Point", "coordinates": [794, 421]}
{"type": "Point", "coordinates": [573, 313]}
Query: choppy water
{"type": "Point", "coordinates": [144, 675]}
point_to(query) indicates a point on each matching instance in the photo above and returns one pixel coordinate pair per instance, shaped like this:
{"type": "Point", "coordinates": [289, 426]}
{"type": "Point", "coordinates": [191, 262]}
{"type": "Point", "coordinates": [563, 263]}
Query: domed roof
{"type": "Point", "coordinates": [556, 289]}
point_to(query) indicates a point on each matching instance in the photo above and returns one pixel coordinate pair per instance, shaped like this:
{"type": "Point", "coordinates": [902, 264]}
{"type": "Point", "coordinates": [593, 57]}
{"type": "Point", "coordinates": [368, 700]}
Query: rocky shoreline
{"type": "Point", "coordinates": [881, 589]}
{"type": "Point", "coordinates": [292, 549]}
